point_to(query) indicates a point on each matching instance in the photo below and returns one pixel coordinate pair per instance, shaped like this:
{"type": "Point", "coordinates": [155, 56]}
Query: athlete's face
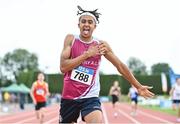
{"type": "Point", "coordinates": [41, 77]}
{"type": "Point", "coordinates": [116, 83]}
{"type": "Point", "coordinates": [86, 25]}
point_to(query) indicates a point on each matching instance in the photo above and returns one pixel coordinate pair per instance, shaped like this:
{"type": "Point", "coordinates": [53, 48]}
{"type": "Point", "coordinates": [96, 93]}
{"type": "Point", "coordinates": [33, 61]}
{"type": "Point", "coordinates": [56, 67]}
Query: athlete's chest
{"type": "Point", "coordinates": [78, 48]}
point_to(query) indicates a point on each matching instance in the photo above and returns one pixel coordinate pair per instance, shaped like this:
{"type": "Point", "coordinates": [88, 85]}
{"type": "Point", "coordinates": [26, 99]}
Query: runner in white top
{"type": "Point", "coordinates": [175, 95]}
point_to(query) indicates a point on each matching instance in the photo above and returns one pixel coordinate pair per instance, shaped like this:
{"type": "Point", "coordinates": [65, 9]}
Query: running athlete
{"type": "Point", "coordinates": [80, 61]}
{"type": "Point", "coordinates": [133, 94]}
{"type": "Point", "coordinates": [115, 92]}
{"type": "Point", "coordinates": [175, 95]}
{"type": "Point", "coordinates": [39, 94]}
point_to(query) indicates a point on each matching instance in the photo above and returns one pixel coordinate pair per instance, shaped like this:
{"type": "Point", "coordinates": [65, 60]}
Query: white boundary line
{"type": "Point", "coordinates": [50, 121]}
{"type": "Point", "coordinates": [22, 121]}
{"type": "Point", "coordinates": [104, 115]}
{"type": "Point", "coordinates": [14, 116]}
{"type": "Point", "coordinates": [151, 116]}
{"type": "Point", "coordinates": [79, 118]}
{"type": "Point", "coordinates": [129, 117]}
{"type": "Point", "coordinates": [154, 117]}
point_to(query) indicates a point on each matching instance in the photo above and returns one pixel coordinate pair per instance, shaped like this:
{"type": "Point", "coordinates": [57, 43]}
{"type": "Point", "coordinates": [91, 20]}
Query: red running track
{"type": "Point", "coordinates": [143, 116]}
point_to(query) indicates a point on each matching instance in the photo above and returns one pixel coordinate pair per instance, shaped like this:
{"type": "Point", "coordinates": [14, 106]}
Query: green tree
{"type": "Point", "coordinates": [18, 61]}
{"type": "Point", "coordinates": [159, 68]}
{"type": "Point", "coordinates": [0, 71]}
{"type": "Point", "coordinates": [136, 66]}
{"type": "Point", "coordinates": [0, 68]}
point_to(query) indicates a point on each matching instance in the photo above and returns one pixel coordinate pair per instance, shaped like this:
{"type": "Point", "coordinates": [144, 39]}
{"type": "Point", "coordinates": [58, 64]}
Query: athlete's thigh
{"type": "Point", "coordinates": [42, 110]}
{"type": "Point", "coordinates": [91, 110]}
{"type": "Point", "coordinates": [94, 117]}
{"type": "Point", "coordinates": [69, 111]}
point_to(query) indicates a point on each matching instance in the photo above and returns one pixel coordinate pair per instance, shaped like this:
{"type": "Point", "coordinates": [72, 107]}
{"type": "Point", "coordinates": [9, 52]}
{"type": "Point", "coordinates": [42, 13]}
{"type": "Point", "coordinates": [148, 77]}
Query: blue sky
{"type": "Point", "coordinates": [148, 30]}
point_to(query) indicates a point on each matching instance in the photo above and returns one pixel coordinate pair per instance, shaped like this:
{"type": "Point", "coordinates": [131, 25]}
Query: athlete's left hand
{"type": "Point", "coordinates": [104, 48]}
{"type": "Point", "coordinates": [144, 91]}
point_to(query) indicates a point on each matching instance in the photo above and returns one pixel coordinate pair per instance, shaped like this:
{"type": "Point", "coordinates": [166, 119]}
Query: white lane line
{"type": "Point", "coordinates": [151, 116]}
{"type": "Point", "coordinates": [21, 115]}
{"type": "Point", "coordinates": [154, 117]}
{"type": "Point", "coordinates": [54, 119]}
{"type": "Point", "coordinates": [32, 118]}
{"type": "Point", "coordinates": [104, 115]}
{"type": "Point", "coordinates": [79, 119]}
{"type": "Point", "coordinates": [129, 117]}
{"type": "Point", "coordinates": [14, 117]}
{"type": "Point", "coordinates": [25, 120]}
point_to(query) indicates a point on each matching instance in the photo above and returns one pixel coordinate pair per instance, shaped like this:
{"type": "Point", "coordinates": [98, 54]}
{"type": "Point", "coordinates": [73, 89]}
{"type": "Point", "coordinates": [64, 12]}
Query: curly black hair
{"type": "Point", "coordinates": [94, 12]}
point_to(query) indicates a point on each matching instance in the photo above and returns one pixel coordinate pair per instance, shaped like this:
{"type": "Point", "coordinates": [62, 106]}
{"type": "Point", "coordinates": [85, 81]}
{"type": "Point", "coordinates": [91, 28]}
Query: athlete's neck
{"type": "Point", "coordinates": [40, 81]}
{"type": "Point", "coordinates": [85, 39]}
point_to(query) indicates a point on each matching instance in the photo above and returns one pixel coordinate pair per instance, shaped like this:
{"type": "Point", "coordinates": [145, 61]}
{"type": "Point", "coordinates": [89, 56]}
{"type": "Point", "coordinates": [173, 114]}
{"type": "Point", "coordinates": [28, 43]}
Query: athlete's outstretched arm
{"type": "Point", "coordinates": [47, 89]}
{"type": "Point", "coordinates": [32, 94]}
{"type": "Point", "coordinates": [126, 73]}
{"type": "Point", "coordinates": [171, 91]}
{"type": "Point", "coordinates": [110, 91]}
{"type": "Point", "coordinates": [66, 62]}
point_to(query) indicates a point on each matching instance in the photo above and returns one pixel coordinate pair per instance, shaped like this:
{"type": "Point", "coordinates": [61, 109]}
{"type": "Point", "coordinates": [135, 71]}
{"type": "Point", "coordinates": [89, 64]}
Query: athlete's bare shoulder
{"type": "Point", "coordinates": [46, 83]}
{"type": "Point", "coordinates": [102, 41]}
{"type": "Point", "coordinates": [105, 43]}
{"type": "Point", "coordinates": [68, 39]}
{"type": "Point", "coordinates": [34, 84]}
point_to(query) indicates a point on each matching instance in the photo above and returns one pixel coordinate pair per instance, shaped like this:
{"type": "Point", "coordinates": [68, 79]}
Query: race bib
{"type": "Point", "coordinates": [82, 74]}
{"type": "Point", "coordinates": [40, 92]}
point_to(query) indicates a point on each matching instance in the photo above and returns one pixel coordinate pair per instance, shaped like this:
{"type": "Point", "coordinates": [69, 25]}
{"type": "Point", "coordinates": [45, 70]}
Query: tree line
{"type": "Point", "coordinates": [18, 61]}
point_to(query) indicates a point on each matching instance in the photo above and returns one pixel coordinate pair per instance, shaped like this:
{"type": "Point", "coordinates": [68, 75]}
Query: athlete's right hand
{"type": "Point", "coordinates": [144, 91]}
{"type": "Point", "coordinates": [92, 51]}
